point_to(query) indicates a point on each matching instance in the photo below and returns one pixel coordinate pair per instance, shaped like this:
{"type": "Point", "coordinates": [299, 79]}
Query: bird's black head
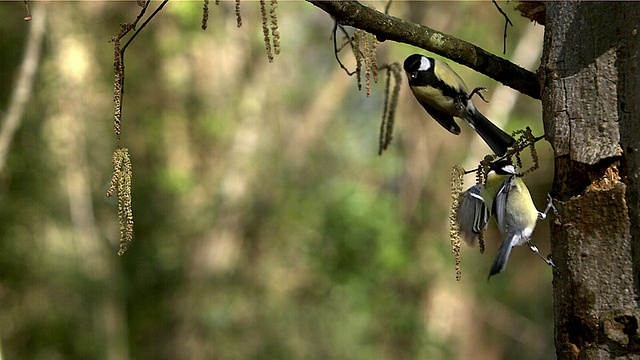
{"type": "Point", "coordinates": [416, 62]}
{"type": "Point", "coordinates": [503, 167]}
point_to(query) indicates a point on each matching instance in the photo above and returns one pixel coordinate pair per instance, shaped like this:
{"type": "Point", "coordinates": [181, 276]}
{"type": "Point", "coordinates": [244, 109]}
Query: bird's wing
{"type": "Point", "coordinates": [442, 118]}
{"type": "Point", "coordinates": [473, 215]}
{"type": "Point", "coordinates": [500, 202]}
{"type": "Point", "coordinates": [444, 72]}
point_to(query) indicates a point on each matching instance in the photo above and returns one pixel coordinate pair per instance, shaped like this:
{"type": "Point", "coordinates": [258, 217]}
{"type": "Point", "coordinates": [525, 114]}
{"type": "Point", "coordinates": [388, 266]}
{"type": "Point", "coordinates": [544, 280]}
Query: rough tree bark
{"type": "Point", "coordinates": [590, 85]}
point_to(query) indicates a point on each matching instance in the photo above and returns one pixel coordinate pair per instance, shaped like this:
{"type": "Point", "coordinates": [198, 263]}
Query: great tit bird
{"type": "Point", "coordinates": [443, 94]}
{"type": "Point", "coordinates": [510, 201]}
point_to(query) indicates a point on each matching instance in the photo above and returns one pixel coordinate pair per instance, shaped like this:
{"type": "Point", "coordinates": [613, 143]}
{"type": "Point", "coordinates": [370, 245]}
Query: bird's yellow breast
{"type": "Point", "coordinates": [524, 203]}
{"type": "Point", "coordinates": [434, 98]}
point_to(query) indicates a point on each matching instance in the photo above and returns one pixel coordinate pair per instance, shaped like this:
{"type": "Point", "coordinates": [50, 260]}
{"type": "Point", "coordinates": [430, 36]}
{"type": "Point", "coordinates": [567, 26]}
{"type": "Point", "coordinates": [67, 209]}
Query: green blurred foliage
{"type": "Point", "coordinates": [266, 225]}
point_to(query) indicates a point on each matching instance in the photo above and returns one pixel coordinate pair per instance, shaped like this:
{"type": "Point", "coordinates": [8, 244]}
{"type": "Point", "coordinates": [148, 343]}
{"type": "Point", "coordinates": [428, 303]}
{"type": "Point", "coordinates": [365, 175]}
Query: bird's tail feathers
{"type": "Point", "coordinates": [500, 263]}
{"type": "Point", "coordinates": [498, 140]}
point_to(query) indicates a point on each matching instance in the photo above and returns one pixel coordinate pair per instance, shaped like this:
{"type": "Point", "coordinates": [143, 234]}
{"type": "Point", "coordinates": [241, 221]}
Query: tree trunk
{"type": "Point", "coordinates": [590, 86]}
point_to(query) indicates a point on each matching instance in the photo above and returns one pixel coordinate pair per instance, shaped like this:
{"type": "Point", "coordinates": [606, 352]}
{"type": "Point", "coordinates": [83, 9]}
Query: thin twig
{"type": "Point", "coordinates": [140, 15]}
{"type": "Point", "coordinates": [386, 8]}
{"type": "Point", "coordinates": [138, 31]}
{"type": "Point", "coordinates": [335, 47]}
{"type": "Point", "coordinates": [344, 43]}
{"type": "Point", "coordinates": [507, 21]}
{"type": "Point", "coordinates": [355, 47]}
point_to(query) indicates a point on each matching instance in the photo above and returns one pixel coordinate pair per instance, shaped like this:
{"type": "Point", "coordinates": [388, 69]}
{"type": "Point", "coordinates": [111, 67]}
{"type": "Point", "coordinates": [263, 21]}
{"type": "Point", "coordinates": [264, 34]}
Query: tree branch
{"type": "Point", "coordinates": [385, 27]}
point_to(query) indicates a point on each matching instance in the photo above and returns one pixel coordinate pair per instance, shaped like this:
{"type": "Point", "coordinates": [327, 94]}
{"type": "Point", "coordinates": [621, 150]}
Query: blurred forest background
{"type": "Point", "coordinates": [266, 224]}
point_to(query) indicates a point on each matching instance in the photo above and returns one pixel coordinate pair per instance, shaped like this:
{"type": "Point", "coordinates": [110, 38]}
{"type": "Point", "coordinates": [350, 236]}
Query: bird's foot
{"type": "Point", "coordinates": [535, 250]}
{"type": "Point", "coordinates": [478, 91]}
{"type": "Point", "coordinates": [550, 206]}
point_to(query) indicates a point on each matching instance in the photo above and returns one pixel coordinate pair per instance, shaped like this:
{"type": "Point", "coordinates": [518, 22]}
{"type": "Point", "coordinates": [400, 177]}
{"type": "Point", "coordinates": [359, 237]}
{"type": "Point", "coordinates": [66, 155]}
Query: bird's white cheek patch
{"type": "Point", "coordinates": [425, 64]}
